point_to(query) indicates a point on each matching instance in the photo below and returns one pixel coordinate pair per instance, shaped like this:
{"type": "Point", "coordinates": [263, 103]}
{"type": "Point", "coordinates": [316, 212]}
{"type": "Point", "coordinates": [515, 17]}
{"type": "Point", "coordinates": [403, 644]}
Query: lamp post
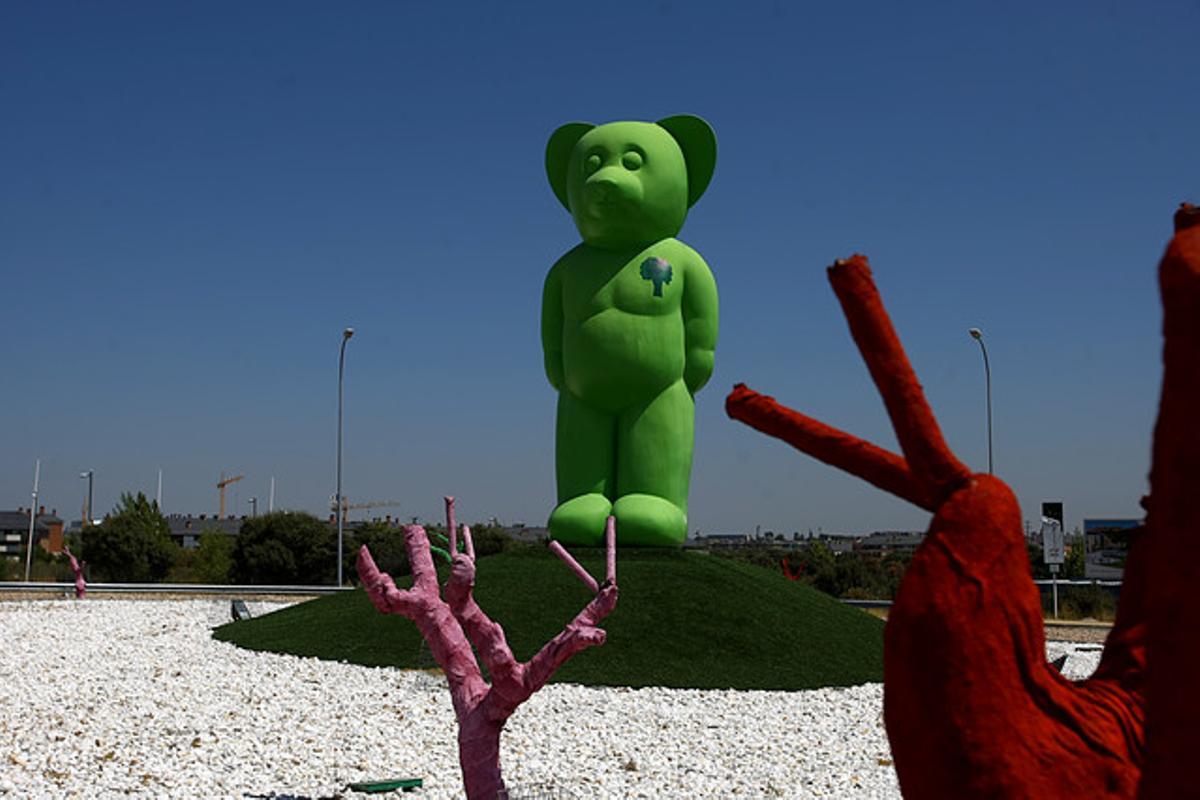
{"type": "Point", "coordinates": [977, 335]}
{"type": "Point", "coordinates": [346, 334]}
{"type": "Point", "coordinates": [37, 472]}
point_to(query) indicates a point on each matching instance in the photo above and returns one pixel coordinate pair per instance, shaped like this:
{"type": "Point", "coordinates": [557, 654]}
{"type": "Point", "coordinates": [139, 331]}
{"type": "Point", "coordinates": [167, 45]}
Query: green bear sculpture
{"type": "Point", "coordinates": [629, 326]}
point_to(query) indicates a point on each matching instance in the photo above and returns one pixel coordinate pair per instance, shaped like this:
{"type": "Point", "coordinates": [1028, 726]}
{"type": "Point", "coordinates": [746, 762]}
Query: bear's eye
{"type": "Point", "coordinates": [591, 164]}
{"type": "Point", "coordinates": [632, 160]}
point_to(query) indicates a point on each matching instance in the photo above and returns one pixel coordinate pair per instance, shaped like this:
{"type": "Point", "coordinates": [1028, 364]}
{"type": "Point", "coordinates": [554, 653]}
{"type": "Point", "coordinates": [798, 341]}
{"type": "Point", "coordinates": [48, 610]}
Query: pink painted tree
{"type": "Point", "coordinates": [77, 568]}
{"type": "Point", "coordinates": [452, 623]}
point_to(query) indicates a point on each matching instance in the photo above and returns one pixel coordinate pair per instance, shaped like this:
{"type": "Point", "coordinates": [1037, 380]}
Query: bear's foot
{"type": "Point", "coordinates": [580, 520]}
{"type": "Point", "coordinates": [644, 520]}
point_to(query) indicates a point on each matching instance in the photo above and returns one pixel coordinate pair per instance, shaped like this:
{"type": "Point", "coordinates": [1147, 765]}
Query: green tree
{"type": "Point", "coordinates": [490, 539]}
{"type": "Point", "coordinates": [819, 565]}
{"type": "Point", "coordinates": [214, 557]}
{"type": "Point", "coordinates": [1073, 566]}
{"type": "Point", "coordinates": [183, 569]}
{"type": "Point", "coordinates": [285, 547]}
{"type": "Point", "coordinates": [133, 544]}
{"type": "Point", "coordinates": [851, 571]}
{"type": "Point", "coordinates": [386, 543]}
{"type": "Point", "coordinates": [1037, 564]}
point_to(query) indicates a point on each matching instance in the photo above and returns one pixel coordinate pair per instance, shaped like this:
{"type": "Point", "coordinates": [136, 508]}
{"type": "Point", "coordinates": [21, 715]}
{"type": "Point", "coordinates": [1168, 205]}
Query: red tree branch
{"type": "Point", "coordinates": [825, 443]}
{"type": "Point", "coordinates": [930, 460]}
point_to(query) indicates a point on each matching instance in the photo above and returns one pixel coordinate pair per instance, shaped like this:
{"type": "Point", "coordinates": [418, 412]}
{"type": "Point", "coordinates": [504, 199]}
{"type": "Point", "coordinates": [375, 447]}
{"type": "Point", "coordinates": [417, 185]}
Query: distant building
{"type": "Point", "coordinates": [885, 543]}
{"type": "Point", "coordinates": [185, 529]}
{"type": "Point", "coordinates": [523, 533]}
{"type": "Point", "coordinates": [723, 539]}
{"type": "Point", "coordinates": [14, 530]}
{"type": "Point", "coordinates": [837, 543]}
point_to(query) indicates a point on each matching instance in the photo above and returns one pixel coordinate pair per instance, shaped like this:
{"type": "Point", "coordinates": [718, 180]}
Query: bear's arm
{"type": "Point", "coordinates": [700, 322]}
{"type": "Point", "coordinates": [552, 326]}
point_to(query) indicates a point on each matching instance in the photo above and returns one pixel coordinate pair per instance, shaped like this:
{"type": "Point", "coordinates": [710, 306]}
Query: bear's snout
{"type": "Point", "coordinates": [602, 191]}
{"type": "Point", "coordinates": [607, 193]}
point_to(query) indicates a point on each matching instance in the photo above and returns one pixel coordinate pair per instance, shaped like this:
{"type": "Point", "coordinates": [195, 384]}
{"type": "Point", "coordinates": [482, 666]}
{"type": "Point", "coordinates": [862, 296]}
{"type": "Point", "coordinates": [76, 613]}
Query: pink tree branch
{"type": "Point", "coordinates": [484, 634]}
{"type": "Point", "coordinates": [580, 632]}
{"type": "Point", "coordinates": [451, 531]}
{"type": "Point", "coordinates": [428, 612]}
{"type": "Point", "coordinates": [453, 625]}
{"type": "Point", "coordinates": [575, 566]}
{"type": "Point", "coordinates": [466, 529]}
{"type": "Point", "coordinates": [77, 569]}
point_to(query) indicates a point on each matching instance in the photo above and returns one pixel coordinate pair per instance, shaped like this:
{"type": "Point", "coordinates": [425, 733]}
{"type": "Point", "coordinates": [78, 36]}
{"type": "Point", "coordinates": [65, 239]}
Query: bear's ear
{"type": "Point", "coordinates": [558, 153]}
{"type": "Point", "coordinates": [699, 145]}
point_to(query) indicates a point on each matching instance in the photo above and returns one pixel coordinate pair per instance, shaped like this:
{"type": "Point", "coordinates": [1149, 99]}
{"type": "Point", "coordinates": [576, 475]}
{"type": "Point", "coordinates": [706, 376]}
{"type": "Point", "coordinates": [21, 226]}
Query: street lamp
{"type": "Point", "coordinates": [37, 472]}
{"type": "Point", "coordinates": [977, 335]}
{"type": "Point", "coordinates": [87, 514]}
{"type": "Point", "coordinates": [346, 334]}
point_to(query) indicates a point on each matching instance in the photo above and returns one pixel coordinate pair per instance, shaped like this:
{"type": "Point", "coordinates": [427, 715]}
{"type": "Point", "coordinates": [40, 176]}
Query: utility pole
{"type": "Point", "coordinates": [87, 510]}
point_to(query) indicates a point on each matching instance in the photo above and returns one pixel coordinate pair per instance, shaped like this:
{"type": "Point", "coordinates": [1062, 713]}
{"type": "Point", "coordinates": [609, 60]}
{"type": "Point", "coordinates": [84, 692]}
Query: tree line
{"type": "Point", "coordinates": [855, 575]}
{"type": "Point", "coordinates": [133, 545]}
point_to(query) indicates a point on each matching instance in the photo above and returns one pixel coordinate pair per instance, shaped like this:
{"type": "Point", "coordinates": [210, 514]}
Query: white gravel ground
{"type": "Point", "coordinates": [112, 698]}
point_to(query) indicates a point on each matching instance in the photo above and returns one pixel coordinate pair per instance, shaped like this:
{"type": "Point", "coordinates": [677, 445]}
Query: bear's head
{"type": "Point", "coordinates": [628, 184]}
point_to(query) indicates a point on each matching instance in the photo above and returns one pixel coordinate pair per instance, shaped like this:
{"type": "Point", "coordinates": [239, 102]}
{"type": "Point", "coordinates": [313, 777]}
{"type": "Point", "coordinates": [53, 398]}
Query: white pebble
{"type": "Point", "coordinates": [114, 698]}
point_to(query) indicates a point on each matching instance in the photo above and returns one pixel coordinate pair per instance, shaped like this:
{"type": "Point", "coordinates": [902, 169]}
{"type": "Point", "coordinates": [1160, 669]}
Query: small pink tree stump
{"type": "Point", "coordinates": [454, 624]}
{"type": "Point", "coordinates": [77, 568]}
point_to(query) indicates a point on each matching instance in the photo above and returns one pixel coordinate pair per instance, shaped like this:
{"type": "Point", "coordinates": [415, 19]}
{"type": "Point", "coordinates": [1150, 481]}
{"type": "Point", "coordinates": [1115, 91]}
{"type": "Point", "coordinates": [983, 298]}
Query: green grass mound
{"type": "Point", "coordinates": [684, 620]}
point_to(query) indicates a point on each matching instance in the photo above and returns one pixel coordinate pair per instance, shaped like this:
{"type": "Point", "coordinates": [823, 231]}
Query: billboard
{"type": "Point", "coordinates": [1106, 542]}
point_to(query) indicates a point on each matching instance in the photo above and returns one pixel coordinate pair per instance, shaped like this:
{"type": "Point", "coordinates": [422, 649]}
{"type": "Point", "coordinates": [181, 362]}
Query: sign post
{"type": "Point", "coordinates": [1052, 551]}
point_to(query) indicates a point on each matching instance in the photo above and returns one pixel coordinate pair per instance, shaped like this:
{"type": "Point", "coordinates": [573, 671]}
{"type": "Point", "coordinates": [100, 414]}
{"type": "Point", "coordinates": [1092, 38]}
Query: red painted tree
{"type": "Point", "coordinates": [1173, 699]}
{"type": "Point", "coordinates": [452, 623]}
{"type": "Point", "coordinates": [972, 708]}
{"type": "Point", "coordinates": [790, 572]}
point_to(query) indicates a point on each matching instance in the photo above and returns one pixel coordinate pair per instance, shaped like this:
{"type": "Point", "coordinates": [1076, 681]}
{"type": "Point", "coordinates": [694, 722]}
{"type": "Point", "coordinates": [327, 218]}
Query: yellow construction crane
{"type": "Point", "coordinates": [221, 484]}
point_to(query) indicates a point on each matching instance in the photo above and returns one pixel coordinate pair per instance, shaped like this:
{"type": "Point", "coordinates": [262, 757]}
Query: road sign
{"type": "Point", "coordinates": [1052, 541]}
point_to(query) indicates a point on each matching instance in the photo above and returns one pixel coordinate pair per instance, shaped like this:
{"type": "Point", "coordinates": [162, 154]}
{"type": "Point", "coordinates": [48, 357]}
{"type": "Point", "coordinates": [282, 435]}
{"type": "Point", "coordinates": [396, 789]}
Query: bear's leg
{"type": "Point", "coordinates": [654, 466]}
{"type": "Point", "coordinates": [584, 443]}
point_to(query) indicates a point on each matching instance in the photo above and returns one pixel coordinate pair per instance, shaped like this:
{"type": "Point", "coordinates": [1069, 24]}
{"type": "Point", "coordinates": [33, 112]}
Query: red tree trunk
{"type": "Point", "coordinates": [1173, 715]}
{"type": "Point", "coordinates": [971, 707]}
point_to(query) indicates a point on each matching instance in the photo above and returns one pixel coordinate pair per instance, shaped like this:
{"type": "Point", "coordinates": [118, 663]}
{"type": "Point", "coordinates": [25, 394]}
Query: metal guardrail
{"type": "Point", "coordinates": [222, 589]}
{"type": "Point", "coordinates": [867, 603]}
{"type": "Point", "coordinates": [169, 588]}
{"type": "Point", "coordinates": [1041, 584]}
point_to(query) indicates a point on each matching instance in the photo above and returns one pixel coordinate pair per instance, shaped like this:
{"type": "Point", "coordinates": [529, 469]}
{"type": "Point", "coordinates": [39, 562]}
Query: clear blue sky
{"type": "Point", "coordinates": [196, 198]}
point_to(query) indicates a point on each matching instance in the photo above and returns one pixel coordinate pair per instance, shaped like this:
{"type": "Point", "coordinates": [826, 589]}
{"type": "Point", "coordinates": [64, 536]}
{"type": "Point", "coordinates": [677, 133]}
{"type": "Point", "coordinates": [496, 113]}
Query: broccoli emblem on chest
{"type": "Point", "coordinates": [657, 270]}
